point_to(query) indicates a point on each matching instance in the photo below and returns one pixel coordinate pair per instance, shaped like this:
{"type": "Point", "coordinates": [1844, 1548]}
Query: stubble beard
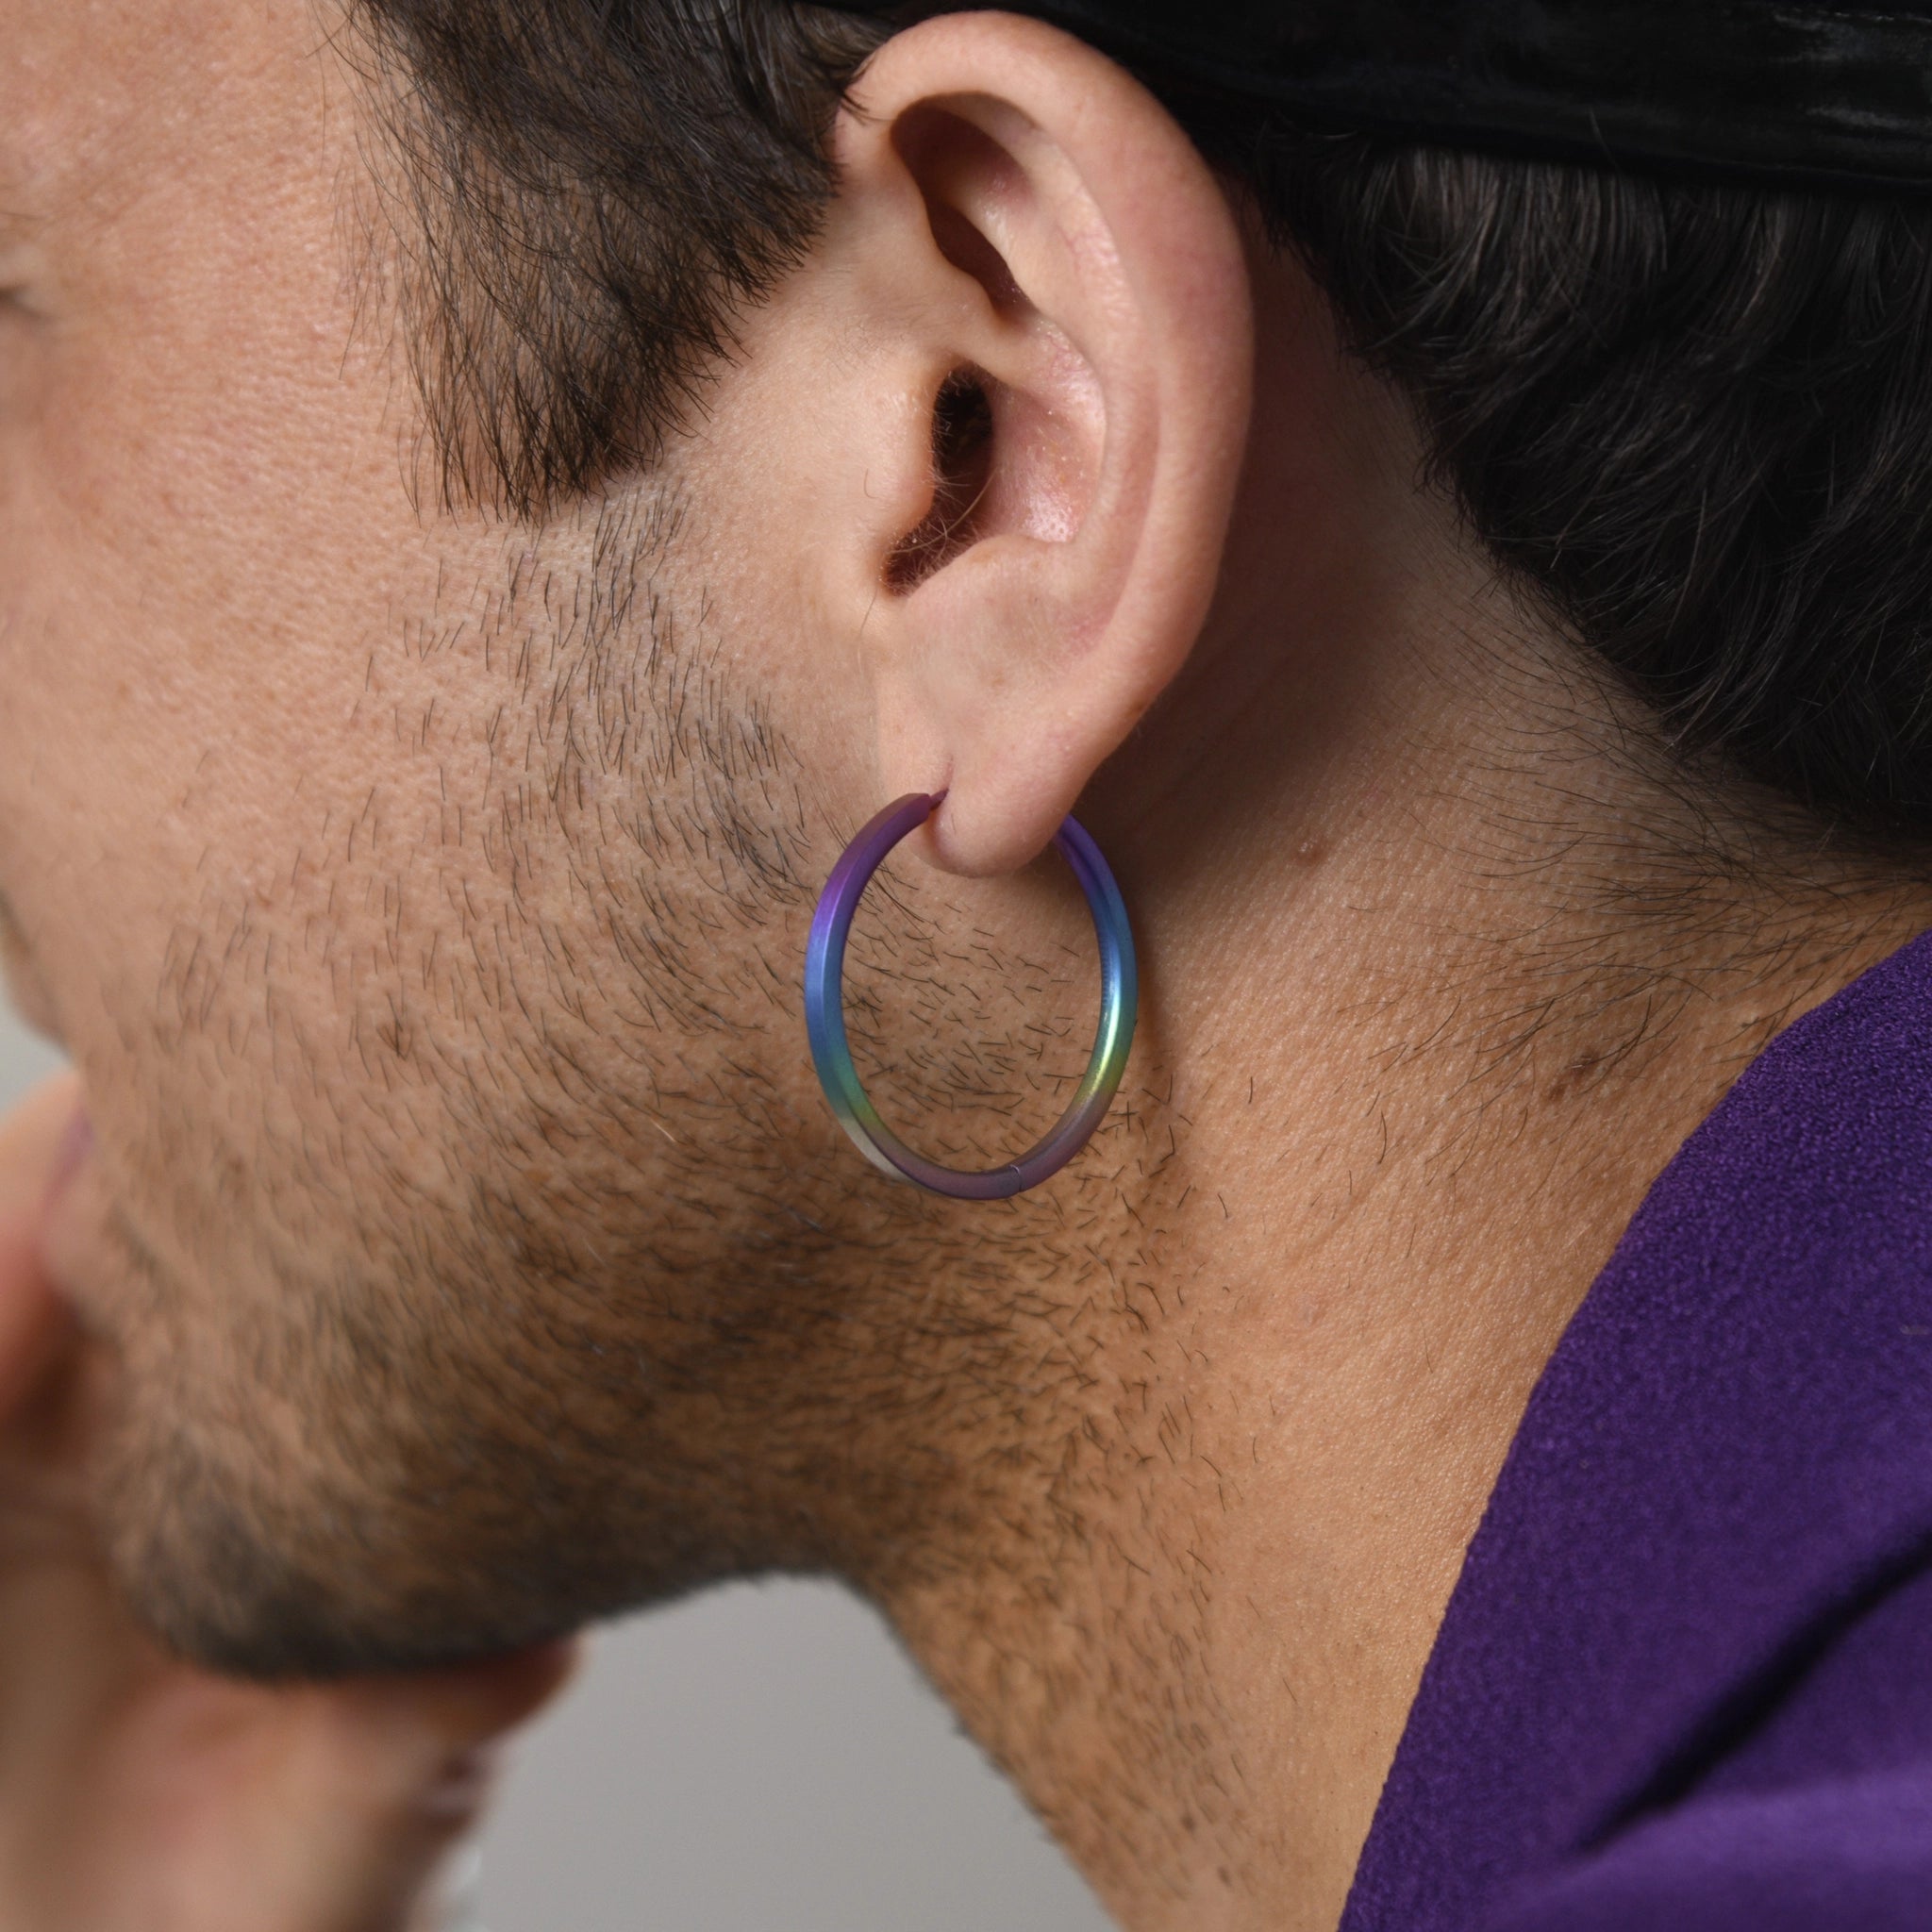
{"type": "Point", "coordinates": [570, 1298]}
{"type": "Point", "coordinates": [563, 1296]}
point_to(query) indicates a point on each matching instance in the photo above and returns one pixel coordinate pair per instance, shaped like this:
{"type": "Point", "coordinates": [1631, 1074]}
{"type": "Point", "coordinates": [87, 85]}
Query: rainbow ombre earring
{"type": "Point", "coordinates": [825, 1012]}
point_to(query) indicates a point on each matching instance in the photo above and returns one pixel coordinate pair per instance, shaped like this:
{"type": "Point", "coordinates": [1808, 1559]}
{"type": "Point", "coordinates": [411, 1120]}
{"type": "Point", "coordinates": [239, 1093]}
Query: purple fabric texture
{"type": "Point", "coordinates": [1685, 1680]}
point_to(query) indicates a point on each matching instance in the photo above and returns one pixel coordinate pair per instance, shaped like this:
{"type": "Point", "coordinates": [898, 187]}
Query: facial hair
{"type": "Point", "coordinates": [489, 1263]}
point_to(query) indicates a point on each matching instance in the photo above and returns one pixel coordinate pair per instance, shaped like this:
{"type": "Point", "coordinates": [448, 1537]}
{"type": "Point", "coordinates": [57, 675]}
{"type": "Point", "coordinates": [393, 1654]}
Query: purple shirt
{"type": "Point", "coordinates": [1685, 1681]}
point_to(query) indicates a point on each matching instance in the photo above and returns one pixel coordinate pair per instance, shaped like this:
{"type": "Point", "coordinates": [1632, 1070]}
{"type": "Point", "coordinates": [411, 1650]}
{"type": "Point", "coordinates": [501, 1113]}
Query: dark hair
{"type": "Point", "coordinates": [1694, 417]}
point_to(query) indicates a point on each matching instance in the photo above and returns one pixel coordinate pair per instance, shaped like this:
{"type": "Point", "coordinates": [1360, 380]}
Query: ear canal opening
{"type": "Point", "coordinates": [962, 436]}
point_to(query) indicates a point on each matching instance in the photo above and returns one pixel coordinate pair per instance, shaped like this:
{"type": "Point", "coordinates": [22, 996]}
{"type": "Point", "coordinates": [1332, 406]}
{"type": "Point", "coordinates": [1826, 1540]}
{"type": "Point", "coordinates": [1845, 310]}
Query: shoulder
{"type": "Point", "coordinates": [1847, 1856]}
{"type": "Point", "coordinates": [1806, 1806]}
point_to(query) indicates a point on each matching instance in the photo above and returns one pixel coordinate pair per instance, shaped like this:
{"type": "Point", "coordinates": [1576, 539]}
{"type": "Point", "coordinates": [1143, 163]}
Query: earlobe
{"type": "Point", "coordinates": [1075, 281]}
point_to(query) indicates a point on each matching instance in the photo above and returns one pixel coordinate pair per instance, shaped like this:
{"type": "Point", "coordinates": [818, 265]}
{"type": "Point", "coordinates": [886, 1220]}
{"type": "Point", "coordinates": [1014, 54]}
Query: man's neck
{"type": "Point", "coordinates": [1429, 1024]}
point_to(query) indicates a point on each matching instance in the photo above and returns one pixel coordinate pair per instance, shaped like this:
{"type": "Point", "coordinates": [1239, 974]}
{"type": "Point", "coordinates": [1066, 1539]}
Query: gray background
{"type": "Point", "coordinates": [760, 1760]}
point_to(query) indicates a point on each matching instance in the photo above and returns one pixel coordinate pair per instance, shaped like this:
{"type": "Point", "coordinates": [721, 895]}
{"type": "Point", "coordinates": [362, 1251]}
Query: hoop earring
{"type": "Point", "coordinates": [825, 1012]}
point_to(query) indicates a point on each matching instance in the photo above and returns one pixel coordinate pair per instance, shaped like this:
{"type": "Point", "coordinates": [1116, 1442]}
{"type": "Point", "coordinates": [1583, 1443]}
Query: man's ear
{"type": "Point", "coordinates": [1061, 284]}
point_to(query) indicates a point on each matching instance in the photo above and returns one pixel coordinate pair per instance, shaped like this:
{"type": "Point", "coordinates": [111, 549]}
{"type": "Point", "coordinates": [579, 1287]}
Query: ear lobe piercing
{"type": "Point", "coordinates": [825, 1012]}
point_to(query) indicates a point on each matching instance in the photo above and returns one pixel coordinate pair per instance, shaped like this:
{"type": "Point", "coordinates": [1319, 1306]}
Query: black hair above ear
{"type": "Point", "coordinates": [1796, 94]}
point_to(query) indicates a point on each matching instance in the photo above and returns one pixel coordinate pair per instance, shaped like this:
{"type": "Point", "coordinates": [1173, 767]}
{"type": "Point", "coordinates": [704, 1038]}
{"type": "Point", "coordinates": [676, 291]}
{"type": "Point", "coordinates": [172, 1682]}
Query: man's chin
{"type": "Point", "coordinates": [222, 1581]}
{"type": "Point", "coordinates": [247, 1615]}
